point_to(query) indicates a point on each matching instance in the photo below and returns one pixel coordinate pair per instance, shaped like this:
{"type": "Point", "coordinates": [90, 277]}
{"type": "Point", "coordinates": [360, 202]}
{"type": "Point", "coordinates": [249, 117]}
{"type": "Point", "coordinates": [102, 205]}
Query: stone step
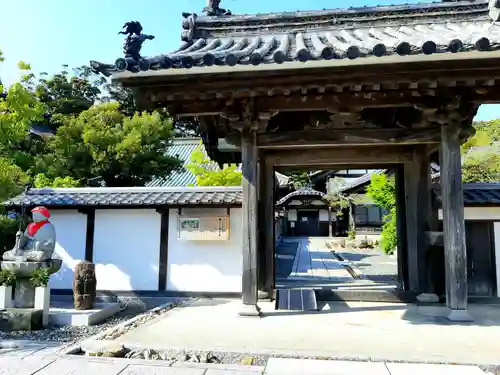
{"type": "Point", "coordinates": [296, 299]}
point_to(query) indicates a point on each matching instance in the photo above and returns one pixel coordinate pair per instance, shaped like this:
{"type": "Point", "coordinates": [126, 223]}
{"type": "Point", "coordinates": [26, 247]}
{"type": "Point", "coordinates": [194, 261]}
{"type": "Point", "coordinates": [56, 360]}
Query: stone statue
{"type": "Point", "coordinates": [134, 40]}
{"type": "Point", "coordinates": [213, 9]}
{"type": "Point", "coordinates": [37, 243]}
{"type": "Point", "coordinates": [84, 286]}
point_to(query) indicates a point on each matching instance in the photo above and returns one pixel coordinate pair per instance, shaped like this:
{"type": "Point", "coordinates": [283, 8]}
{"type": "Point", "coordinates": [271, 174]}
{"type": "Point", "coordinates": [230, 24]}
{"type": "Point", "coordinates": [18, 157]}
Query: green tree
{"type": "Point", "coordinates": [382, 191]}
{"type": "Point", "coordinates": [42, 181]}
{"type": "Point", "coordinates": [18, 110]}
{"type": "Point", "coordinates": [481, 166]}
{"type": "Point", "coordinates": [67, 93]}
{"type": "Point", "coordinates": [103, 142]}
{"type": "Point", "coordinates": [207, 173]}
{"type": "Point", "coordinates": [299, 179]}
{"type": "Point", "coordinates": [340, 200]}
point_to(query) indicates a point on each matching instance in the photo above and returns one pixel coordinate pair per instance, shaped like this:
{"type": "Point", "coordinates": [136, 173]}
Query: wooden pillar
{"type": "Point", "coordinates": [249, 157]}
{"type": "Point", "coordinates": [402, 253]}
{"type": "Point", "coordinates": [269, 226]}
{"type": "Point", "coordinates": [163, 256]}
{"type": "Point", "coordinates": [418, 210]}
{"type": "Point", "coordinates": [453, 223]}
{"type": "Point", "coordinates": [89, 236]}
{"type": "Point", "coordinates": [261, 248]}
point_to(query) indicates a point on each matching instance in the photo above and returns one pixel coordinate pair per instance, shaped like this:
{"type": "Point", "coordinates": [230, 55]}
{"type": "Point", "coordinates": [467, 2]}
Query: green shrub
{"type": "Point", "coordinates": [389, 237]}
{"type": "Point", "coordinates": [7, 277]}
{"type": "Point", "coordinates": [8, 229]}
{"type": "Point", "coordinates": [40, 277]}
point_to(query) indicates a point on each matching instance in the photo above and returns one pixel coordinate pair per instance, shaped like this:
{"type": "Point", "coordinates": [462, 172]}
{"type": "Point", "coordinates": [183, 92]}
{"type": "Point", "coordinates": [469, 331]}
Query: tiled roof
{"type": "Point", "coordinates": [303, 192]}
{"type": "Point", "coordinates": [442, 27]}
{"type": "Point", "coordinates": [144, 197]}
{"type": "Point", "coordinates": [362, 180]}
{"type": "Point", "coordinates": [479, 194]}
{"type": "Point", "coordinates": [181, 148]}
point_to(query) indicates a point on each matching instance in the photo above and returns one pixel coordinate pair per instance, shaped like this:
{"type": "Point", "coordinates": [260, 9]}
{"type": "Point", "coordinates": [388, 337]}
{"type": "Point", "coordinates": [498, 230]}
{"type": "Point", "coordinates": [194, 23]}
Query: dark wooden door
{"type": "Point", "coordinates": [307, 223]}
{"type": "Point", "coordinates": [481, 268]}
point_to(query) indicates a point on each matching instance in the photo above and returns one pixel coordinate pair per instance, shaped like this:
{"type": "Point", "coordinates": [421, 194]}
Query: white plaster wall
{"type": "Point", "coordinates": [205, 266]}
{"type": "Point", "coordinates": [323, 215]}
{"type": "Point", "coordinates": [292, 215]}
{"type": "Point", "coordinates": [71, 231]}
{"type": "Point", "coordinates": [127, 249]}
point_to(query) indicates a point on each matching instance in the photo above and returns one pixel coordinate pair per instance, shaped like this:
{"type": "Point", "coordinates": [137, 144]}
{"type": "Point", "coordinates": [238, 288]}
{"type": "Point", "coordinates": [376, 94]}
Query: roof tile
{"type": "Point", "coordinates": [128, 197]}
{"type": "Point", "coordinates": [442, 27]}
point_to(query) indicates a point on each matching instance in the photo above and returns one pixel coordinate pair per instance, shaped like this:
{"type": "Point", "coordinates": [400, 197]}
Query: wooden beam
{"type": "Point", "coordinates": [89, 236]}
{"type": "Point", "coordinates": [350, 137]}
{"type": "Point", "coordinates": [163, 256]}
{"type": "Point", "coordinates": [452, 197]}
{"type": "Point", "coordinates": [249, 158]}
{"type": "Point", "coordinates": [366, 155]}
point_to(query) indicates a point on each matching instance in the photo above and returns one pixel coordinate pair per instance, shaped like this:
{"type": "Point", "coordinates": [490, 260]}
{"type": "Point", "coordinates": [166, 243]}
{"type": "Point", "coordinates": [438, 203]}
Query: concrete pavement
{"type": "Point", "coordinates": [72, 365]}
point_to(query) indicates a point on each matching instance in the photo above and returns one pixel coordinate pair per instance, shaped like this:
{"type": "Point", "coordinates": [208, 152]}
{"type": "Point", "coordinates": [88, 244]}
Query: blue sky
{"type": "Point", "coordinates": [49, 33]}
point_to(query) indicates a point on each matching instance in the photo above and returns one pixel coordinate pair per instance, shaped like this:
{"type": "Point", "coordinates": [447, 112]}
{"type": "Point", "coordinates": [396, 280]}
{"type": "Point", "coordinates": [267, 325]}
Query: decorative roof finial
{"type": "Point", "coordinates": [134, 40]}
{"type": "Point", "coordinates": [213, 9]}
{"type": "Point", "coordinates": [494, 10]}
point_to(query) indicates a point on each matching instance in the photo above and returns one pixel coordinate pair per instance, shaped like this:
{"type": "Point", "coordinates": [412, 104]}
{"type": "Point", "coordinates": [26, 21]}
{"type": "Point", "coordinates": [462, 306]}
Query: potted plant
{"type": "Point", "coordinates": [7, 281]}
{"type": "Point", "coordinates": [40, 279]}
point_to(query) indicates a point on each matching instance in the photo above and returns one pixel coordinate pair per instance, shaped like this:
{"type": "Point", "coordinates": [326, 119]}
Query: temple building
{"type": "Point", "coordinates": [385, 87]}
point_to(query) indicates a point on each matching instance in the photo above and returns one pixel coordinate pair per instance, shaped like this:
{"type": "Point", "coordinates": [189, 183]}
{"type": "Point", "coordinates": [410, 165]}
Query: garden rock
{"type": "Point", "coordinates": [102, 348]}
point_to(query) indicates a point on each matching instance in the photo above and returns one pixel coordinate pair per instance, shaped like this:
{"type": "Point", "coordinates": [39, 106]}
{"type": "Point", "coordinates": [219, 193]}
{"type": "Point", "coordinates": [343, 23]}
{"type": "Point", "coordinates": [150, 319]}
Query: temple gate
{"type": "Point", "coordinates": [378, 87]}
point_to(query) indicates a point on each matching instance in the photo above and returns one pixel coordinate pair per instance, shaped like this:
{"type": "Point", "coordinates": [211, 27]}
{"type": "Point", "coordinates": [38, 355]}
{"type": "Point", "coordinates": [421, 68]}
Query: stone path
{"type": "Point", "coordinates": [371, 264]}
{"type": "Point", "coordinates": [313, 262]}
{"type": "Point", "coordinates": [48, 360]}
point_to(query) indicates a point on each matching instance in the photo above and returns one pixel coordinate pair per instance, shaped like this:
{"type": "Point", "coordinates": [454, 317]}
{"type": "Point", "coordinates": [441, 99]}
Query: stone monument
{"type": "Point", "coordinates": [33, 249]}
{"type": "Point", "coordinates": [84, 286]}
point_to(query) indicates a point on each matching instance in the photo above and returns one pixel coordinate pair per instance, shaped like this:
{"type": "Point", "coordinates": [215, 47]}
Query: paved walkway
{"type": "Point", "coordinates": [342, 330]}
{"type": "Point", "coordinates": [46, 359]}
{"type": "Point", "coordinates": [312, 262]}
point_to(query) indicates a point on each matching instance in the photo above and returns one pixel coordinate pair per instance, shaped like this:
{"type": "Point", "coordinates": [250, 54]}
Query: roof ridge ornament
{"type": "Point", "coordinates": [494, 10]}
{"type": "Point", "coordinates": [213, 9]}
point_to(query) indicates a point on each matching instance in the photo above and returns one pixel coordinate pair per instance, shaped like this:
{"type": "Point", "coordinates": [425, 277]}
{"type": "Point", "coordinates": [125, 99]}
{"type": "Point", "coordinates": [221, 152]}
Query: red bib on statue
{"type": "Point", "coordinates": [34, 227]}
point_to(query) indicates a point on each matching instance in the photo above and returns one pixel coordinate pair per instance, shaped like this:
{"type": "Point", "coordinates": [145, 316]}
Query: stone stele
{"type": "Point", "coordinates": [84, 286]}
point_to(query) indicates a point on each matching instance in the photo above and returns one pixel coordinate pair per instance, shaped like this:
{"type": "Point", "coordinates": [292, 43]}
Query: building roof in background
{"type": "Point", "coordinates": [183, 148]}
{"type": "Point", "coordinates": [479, 194]}
{"type": "Point", "coordinates": [286, 38]}
{"type": "Point", "coordinates": [303, 192]}
{"type": "Point", "coordinates": [128, 197]}
{"type": "Point", "coordinates": [361, 181]}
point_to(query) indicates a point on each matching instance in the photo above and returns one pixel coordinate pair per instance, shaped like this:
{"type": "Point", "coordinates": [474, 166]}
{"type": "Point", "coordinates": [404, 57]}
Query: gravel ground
{"type": "Point", "coordinates": [69, 334]}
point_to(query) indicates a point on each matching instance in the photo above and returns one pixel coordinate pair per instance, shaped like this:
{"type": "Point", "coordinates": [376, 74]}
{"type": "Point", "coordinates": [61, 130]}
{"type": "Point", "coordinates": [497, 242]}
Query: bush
{"type": "Point", "coordinates": [40, 277]}
{"type": "Point", "coordinates": [383, 192]}
{"type": "Point", "coordinates": [8, 229]}
{"type": "Point", "coordinates": [7, 277]}
{"type": "Point", "coordinates": [389, 237]}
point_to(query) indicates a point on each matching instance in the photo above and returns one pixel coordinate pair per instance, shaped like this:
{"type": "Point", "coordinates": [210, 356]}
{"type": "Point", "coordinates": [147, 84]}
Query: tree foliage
{"type": "Point", "coordinates": [207, 173]}
{"type": "Point", "coordinates": [481, 158]}
{"type": "Point", "coordinates": [42, 181]}
{"type": "Point", "coordinates": [103, 142]}
{"type": "Point", "coordinates": [382, 191]}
